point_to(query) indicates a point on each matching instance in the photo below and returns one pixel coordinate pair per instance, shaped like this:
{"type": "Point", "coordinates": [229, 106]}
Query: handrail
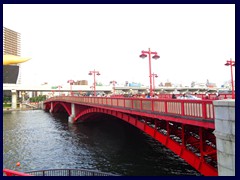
{"type": "Point", "coordinates": [30, 105]}
{"type": "Point", "coordinates": [10, 172]}
{"type": "Point", "coordinates": [58, 172]}
{"type": "Point", "coordinates": [69, 172]}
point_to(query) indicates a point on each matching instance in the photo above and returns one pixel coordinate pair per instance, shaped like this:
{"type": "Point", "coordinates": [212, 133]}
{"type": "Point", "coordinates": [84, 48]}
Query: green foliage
{"type": "Point", "coordinates": [38, 98]}
{"type": "Point", "coordinates": [7, 99]}
{"type": "Point", "coordinates": [7, 105]}
{"type": "Point", "coordinates": [99, 84]}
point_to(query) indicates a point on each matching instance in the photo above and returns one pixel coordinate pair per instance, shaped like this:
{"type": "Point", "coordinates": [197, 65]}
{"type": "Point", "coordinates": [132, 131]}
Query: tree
{"type": "Point", "coordinates": [99, 84]}
{"type": "Point", "coordinates": [38, 98]}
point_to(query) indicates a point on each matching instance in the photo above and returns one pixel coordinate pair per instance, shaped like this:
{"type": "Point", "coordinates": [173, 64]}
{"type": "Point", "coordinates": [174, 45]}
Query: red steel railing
{"type": "Point", "coordinates": [202, 96]}
{"type": "Point", "coordinates": [9, 172]}
{"type": "Point", "coordinates": [191, 108]}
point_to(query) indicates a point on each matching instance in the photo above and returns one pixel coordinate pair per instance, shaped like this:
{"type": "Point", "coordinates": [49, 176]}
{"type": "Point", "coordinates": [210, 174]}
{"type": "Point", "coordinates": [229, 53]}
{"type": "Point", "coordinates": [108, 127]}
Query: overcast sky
{"type": "Point", "coordinates": [67, 41]}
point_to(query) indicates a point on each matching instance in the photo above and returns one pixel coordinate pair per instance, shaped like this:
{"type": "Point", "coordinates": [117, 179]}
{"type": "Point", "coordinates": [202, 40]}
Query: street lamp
{"type": "Point", "coordinates": [143, 55]}
{"type": "Point", "coordinates": [52, 93]}
{"type": "Point", "coordinates": [91, 87]}
{"type": "Point", "coordinates": [94, 79]}
{"type": "Point", "coordinates": [113, 83]}
{"type": "Point", "coordinates": [54, 87]}
{"type": "Point", "coordinates": [231, 64]}
{"type": "Point", "coordinates": [154, 76]}
{"type": "Point", "coordinates": [71, 82]}
{"type": "Point", "coordinates": [49, 95]}
{"type": "Point", "coordinates": [59, 89]}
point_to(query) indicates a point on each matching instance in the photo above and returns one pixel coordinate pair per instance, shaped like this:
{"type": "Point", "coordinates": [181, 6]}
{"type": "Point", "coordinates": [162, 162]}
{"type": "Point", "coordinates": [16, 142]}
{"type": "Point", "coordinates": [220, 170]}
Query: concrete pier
{"type": "Point", "coordinates": [51, 109]}
{"type": "Point", "coordinates": [225, 136]}
{"type": "Point", "coordinates": [73, 114]}
{"type": "Point", "coordinates": [14, 99]}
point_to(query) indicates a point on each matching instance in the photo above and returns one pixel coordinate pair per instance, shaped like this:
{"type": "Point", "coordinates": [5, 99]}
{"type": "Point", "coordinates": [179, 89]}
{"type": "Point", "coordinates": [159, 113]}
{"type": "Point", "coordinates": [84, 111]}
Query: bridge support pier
{"type": "Point", "coordinates": [14, 99]}
{"type": "Point", "coordinates": [51, 109]}
{"type": "Point", "coordinates": [225, 136]}
{"type": "Point", "coordinates": [73, 114]}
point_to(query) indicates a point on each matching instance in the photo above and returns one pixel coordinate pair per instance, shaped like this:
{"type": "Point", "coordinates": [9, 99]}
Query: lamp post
{"type": "Point", "coordinates": [154, 76]}
{"type": "Point", "coordinates": [59, 89]}
{"type": "Point", "coordinates": [71, 82]}
{"type": "Point", "coordinates": [113, 83]}
{"type": "Point", "coordinates": [231, 63]}
{"type": "Point", "coordinates": [91, 87]}
{"type": "Point", "coordinates": [53, 93]}
{"type": "Point", "coordinates": [143, 55]}
{"type": "Point", "coordinates": [49, 95]}
{"type": "Point", "coordinates": [94, 79]}
{"type": "Point", "coordinates": [53, 87]}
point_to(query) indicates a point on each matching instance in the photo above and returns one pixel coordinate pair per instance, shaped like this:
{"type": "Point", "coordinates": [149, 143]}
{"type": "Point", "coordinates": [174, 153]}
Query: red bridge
{"type": "Point", "coordinates": [184, 126]}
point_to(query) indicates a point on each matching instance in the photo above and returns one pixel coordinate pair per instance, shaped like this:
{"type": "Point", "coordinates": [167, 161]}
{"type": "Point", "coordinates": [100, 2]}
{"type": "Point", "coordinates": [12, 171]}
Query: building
{"type": "Point", "coordinates": [11, 58]}
{"type": "Point", "coordinates": [211, 85]}
{"type": "Point", "coordinates": [81, 82]}
{"type": "Point", "coordinates": [168, 84]}
{"type": "Point", "coordinates": [11, 46]}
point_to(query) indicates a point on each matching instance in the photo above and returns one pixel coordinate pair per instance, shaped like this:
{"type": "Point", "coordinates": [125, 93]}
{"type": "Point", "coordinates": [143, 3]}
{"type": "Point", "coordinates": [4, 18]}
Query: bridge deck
{"type": "Point", "coordinates": [194, 112]}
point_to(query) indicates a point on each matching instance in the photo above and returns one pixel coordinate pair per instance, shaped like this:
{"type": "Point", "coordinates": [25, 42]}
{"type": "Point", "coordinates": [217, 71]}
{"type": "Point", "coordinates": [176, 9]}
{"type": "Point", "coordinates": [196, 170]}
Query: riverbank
{"type": "Point", "coordinates": [19, 109]}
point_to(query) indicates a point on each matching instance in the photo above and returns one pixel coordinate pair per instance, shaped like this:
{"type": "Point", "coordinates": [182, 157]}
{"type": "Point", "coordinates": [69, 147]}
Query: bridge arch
{"type": "Point", "coordinates": [162, 137]}
{"type": "Point", "coordinates": [119, 115]}
{"type": "Point", "coordinates": [66, 106]}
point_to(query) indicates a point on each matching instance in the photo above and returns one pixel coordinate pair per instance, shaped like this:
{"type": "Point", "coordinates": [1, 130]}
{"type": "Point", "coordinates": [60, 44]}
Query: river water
{"type": "Point", "coordinates": [40, 140]}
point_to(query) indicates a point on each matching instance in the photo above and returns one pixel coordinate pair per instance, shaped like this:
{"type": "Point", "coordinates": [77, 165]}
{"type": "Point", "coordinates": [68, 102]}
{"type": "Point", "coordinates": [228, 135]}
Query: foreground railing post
{"type": "Point", "coordinates": [182, 108]}
{"type": "Point", "coordinates": [204, 110]}
{"type": "Point", "coordinates": [165, 107]}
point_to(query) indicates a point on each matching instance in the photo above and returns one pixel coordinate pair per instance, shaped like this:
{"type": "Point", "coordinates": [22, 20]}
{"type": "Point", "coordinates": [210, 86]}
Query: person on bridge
{"type": "Point", "coordinates": [155, 96]}
{"type": "Point", "coordinates": [174, 96]}
{"type": "Point", "coordinates": [148, 96]}
{"type": "Point", "coordinates": [206, 96]}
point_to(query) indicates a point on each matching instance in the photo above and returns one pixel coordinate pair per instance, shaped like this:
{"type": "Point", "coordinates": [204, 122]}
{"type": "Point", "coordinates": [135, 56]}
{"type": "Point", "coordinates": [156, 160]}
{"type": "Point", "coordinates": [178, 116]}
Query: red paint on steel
{"type": "Point", "coordinates": [146, 103]}
{"type": "Point", "coordinates": [9, 172]}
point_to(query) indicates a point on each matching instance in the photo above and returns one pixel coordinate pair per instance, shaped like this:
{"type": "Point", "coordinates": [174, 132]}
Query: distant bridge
{"type": "Point", "coordinates": [49, 88]}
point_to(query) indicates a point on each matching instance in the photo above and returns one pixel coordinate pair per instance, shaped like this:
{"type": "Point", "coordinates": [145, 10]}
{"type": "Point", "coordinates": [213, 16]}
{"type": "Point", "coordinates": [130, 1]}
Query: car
{"type": "Point", "coordinates": [189, 96]}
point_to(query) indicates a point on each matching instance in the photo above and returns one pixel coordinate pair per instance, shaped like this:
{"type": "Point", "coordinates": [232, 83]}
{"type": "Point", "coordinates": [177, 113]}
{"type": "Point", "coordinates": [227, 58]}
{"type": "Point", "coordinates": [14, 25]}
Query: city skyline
{"type": "Point", "coordinates": [67, 41]}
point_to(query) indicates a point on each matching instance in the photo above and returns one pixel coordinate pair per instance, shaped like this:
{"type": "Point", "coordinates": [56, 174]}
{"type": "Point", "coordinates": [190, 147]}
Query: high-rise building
{"type": "Point", "coordinates": [11, 42]}
{"type": "Point", "coordinates": [11, 46]}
